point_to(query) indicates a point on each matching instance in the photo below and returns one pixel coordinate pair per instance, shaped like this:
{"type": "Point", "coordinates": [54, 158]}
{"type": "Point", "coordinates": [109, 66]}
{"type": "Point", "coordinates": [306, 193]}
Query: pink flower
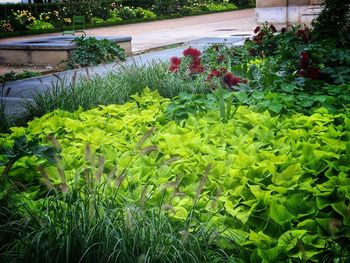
{"type": "Point", "coordinates": [175, 63]}
{"type": "Point", "coordinates": [192, 52]}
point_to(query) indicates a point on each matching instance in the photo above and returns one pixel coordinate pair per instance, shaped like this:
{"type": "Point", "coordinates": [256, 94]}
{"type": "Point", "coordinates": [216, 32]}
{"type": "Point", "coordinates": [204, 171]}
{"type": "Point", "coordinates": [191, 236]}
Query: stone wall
{"type": "Point", "coordinates": [283, 13]}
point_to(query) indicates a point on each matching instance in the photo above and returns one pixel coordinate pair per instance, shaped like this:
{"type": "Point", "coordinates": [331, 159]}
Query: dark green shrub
{"type": "Point", "coordinates": [244, 3]}
{"type": "Point", "coordinates": [87, 8]}
{"type": "Point", "coordinates": [334, 22]}
{"type": "Point", "coordinates": [35, 9]}
{"type": "Point", "coordinates": [167, 7]}
{"type": "Point", "coordinates": [127, 13]}
{"type": "Point", "coordinates": [144, 13]}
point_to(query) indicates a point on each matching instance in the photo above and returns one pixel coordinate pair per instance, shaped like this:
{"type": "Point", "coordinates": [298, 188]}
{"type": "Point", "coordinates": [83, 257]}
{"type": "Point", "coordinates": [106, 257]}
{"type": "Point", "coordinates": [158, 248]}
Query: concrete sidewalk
{"type": "Point", "coordinates": [155, 34]}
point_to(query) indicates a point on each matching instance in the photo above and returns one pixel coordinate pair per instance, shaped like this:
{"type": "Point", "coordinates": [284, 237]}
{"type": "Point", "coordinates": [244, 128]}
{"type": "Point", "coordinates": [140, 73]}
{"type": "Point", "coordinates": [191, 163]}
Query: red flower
{"type": "Point", "coordinates": [230, 80]}
{"type": "Point", "coordinates": [283, 30]}
{"type": "Point", "coordinates": [212, 74]}
{"type": "Point", "coordinates": [175, 63]}
{"type": "Point", "coordinates": [273, 29]}
{"type": "Point", "coordinates": [259, 37]}
{"type": "Point", "coordinates": [304, 59]}
{"type": "Point", "coordinates": [196, 67]}
{"type": "Point", "coordinates": [257, 29]}
{"type": "Point", "coordinates": [313, 73]}
{"type": "Point", "coordinates": [304, 34]}
{"type": "Point", "coordinates": [192, 52]}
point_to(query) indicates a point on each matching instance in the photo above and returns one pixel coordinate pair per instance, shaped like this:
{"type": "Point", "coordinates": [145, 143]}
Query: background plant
{"type": "Point", "coordinates": [91, 51]}
{"type": "Point", "coordinates": [40, 25]}
{"type": "Point", "coordinates": [334, 22]}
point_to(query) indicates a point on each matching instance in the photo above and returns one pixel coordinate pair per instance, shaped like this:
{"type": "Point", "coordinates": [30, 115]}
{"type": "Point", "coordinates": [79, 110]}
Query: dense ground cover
{"type": "Point", "coordinates": [236, 154]}
{"type": "Point", "coordinates": [261, 181]}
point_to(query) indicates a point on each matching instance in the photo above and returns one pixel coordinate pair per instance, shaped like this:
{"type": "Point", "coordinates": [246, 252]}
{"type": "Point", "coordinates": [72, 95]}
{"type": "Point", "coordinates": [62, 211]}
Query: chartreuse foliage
{"type": "Point", "coordinates": [279, 186]}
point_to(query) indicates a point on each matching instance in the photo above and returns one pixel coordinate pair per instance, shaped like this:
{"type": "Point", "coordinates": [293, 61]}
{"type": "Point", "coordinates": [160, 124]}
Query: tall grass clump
{"type": "Point", "coordinates": [85, 218]}
{"type": "Point", "coordinates": [5, 122]}
{"type": "Point", "coordinates": [87, 222]}
{"type": "Point", "coordinates": [114, 88]}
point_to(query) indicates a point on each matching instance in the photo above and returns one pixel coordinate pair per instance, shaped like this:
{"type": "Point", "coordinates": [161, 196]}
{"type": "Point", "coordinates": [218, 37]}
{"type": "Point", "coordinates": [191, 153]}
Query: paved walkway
{"type": "Point", "coordinates": [150, 35]}
{"type": "Point", "coordinates": [197, 31]}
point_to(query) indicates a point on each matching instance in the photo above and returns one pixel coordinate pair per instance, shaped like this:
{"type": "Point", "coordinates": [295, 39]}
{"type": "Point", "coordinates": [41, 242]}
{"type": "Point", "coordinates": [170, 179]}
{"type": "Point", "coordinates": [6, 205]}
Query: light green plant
{"type": "Point", "coordinates": [278, 186]}
{"type": "Point", "coordinates": [40, 25]}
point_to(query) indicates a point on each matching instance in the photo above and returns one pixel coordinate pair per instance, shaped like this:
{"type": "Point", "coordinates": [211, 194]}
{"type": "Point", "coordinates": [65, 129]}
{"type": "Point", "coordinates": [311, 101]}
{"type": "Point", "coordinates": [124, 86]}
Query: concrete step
{"type": "Point", "coordinates": [313, 10]}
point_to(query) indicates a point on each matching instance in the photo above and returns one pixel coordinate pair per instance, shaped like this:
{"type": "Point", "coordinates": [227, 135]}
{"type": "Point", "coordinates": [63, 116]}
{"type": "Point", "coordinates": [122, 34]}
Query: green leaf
{"type": "Point", "coordinates": [298, 206]}
{"type": "Point", "coordinates": [241, 96]}
{"type": "Point", "coordinates": [289, 239]}
{"type": "Point", "coordinates": [236, 234]}
{"type": "Point", "coordinates": [344, 210]}
{"type": "Point", "coordinates": [260, 239]}
{"type": "Point", "coordinates": [280, 213]}
{"type": "Point", "coordinates": [275, 106]}
{"type": "Point", "coordinates": [288, 87]}
{"type": "Point", "coordinates": [289, 176]}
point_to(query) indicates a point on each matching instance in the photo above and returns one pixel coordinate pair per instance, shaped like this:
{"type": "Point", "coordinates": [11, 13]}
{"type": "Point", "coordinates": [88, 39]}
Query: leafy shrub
{"type": "Point", "coordinates": [334, 22]}
{"type": "Point", "coordinates": [337, 66]}
{"type": "Point", "coordinates": [39, 25]}
{"type": "Point", "coordinates": [21, 19]}
{"type": "Point", "coordinates": [98, 8]}
{"type": "Point", "coordinates": [35, 9]}
{"type": "Point", "coordinates": [114, 17]}
{"type": "Point", "coordinates": [244, 3]}
{"type": "Point", "coordinates": [96, 20]}
{"type": "Point", "coordinates": [49, 16]}
{"type": "Point", "coordinates": [278, 186]}
{"type": "Point", "coordinates": [127, 13]}
{"type": "Point", "coordinates": [91, 51]}
{"type": "Point", "coordinates": [144, 13]}
{"type": "Point", "coordinates": [167, 7]}
{"type": "Point", "coordinates": [220, 7]}
{"type": "Point", "coordinates": [5, 26]}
